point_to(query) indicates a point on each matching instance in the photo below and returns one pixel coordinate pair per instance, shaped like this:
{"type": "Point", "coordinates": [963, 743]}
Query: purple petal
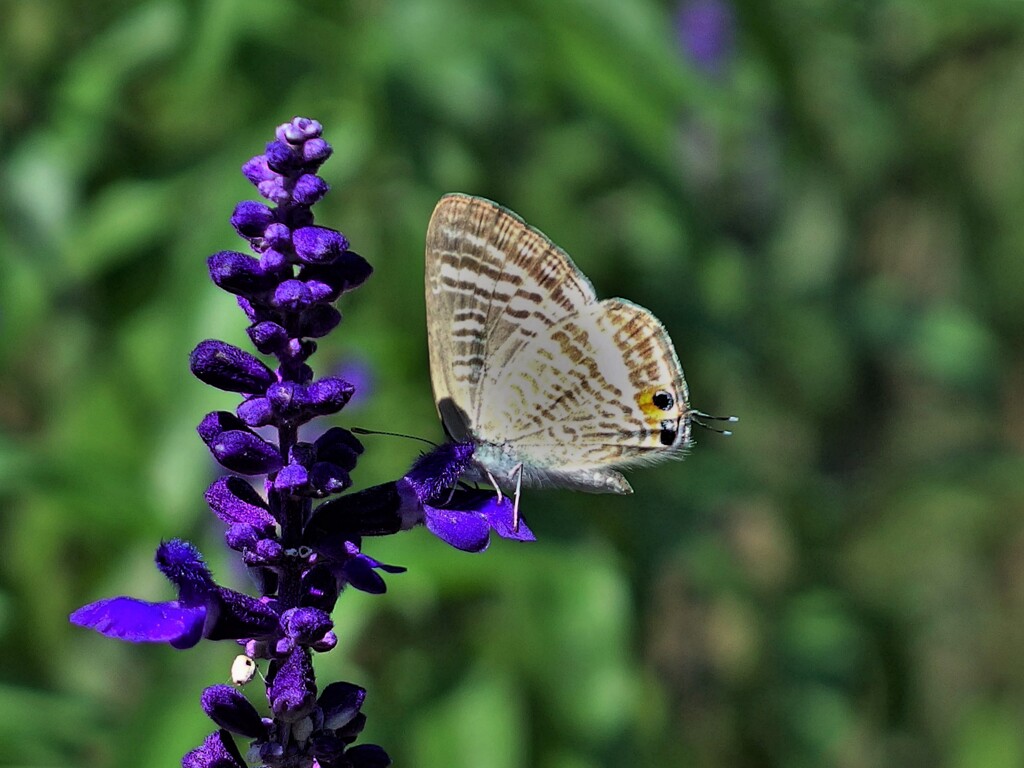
{"type": "Point", "coordinates": [278, 237]}
{"type": "Point", "coordinates": [329, 395]}
{"type": "Point", "coordinates": [236, 447]}
{"type": "Point", "coordinates": [319, 320]}
{"type": "Point", "coordinates": [239, 274]}
{"type": "Point", "coordinates": [256, 170]}
{"type": "Point", "coordinates": [358, 571]}
{"type": "Point", "coordinates": [462, 530]}
{"type": "Point", "coordinates": [216, 422]}
{"type": "Point", "coordinates": [292, 296]}
{"type": "Point", "coordinates": [326, 478]}
{"type": "Point", "coordinates": [137, 621]}
{"type": "Point", "coordinates": [281, 157]}
{"type": "Point", "coordinates": [291, 478]}
{"type": "Point", "coordinates": [316, 151]}
{"type": "Point", "coordinates": [241, 537]}
{"type": "Point", "coordinates": [499, 516]}
{"type": "Point", "coordinates": [339, 446]}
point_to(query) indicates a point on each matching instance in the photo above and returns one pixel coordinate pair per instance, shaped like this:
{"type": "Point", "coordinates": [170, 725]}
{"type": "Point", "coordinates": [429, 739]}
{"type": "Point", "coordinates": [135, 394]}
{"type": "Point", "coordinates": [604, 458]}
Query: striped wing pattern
{"type": "Point", "coordinates": [528, 364]}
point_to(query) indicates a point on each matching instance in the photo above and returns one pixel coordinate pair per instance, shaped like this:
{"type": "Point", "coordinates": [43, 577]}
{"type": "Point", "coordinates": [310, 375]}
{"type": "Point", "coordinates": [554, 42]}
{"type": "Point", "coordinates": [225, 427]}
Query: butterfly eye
{"type": "Point", "coordinates": [664, 401]}
{"type": "Point", "coordinates": [668, 432]}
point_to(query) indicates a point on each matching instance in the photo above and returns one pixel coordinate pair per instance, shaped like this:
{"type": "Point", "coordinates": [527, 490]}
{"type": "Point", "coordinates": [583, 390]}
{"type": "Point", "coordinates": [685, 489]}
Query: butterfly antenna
{"type": "Point", "coordinates": [362, 431]}
{"type": "Point", "coordinates": [696, 416]}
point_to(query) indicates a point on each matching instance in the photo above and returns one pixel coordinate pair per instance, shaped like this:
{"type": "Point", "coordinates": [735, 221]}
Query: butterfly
{"type": "Point", "coordinates": [552, 387]}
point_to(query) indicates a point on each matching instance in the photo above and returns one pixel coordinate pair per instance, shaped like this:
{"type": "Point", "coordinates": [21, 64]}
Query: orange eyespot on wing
{"type": "Point", "coordinates": [657, 404]}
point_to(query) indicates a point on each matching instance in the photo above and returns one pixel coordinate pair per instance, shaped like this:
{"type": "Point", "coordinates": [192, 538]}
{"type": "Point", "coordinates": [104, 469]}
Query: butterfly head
{"type": "Point", "coordinates": [667, 417]}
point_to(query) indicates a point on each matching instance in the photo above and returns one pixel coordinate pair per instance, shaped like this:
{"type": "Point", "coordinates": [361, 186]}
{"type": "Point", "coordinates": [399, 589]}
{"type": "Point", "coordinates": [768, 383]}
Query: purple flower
{"type": "Point", "coordinates": [286, 286]}
{"type": "Point", "coordinates": [706, 30]}
{"type": "Point", "coordinates": [299, 535]}
{"type": "Point", "coordinates": [461, 517]}
{"type": "Point", "coordinates": [202, 610]}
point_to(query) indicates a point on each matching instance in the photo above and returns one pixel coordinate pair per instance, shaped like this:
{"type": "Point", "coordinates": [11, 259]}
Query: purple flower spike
{"type": "Point", "coordinates": [229, 368]}
{"type": "Point", "coordinates": [300, 558]}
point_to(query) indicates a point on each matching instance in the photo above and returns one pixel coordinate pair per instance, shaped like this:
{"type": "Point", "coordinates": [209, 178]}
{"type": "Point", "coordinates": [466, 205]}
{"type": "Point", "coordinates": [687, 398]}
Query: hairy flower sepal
{"type": "Point", "coordinates": [217, 751]}
{"type": "Point", "coordinates": [236, 446]}
{"type": "Point", "coordinates": [228, 708]}
{"type": "Point", "coordinates": [202, 610]}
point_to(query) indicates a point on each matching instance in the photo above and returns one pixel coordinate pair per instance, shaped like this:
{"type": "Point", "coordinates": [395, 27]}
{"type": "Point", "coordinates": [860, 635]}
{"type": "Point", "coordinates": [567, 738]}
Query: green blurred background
{"type": "Point", "coordinates": [821, 200]}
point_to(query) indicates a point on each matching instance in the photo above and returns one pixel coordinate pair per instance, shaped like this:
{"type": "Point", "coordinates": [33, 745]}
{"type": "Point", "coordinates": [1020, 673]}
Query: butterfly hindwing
{"type": "Point", "coordinates": [603, 380]}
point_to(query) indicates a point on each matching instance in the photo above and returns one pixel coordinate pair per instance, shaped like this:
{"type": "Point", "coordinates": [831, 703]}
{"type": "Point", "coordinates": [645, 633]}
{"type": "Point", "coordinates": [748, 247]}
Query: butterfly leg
{"type": "Point", "coordinates": [492, 481]}
{"type": "Point", "coordinates": [451, 495]}
{"type": "Point", "coordinates": [518, 471]}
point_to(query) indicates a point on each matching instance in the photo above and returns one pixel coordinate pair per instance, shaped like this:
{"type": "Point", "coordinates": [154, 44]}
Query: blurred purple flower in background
{"type": "Point", "coordinates": [706, 31]}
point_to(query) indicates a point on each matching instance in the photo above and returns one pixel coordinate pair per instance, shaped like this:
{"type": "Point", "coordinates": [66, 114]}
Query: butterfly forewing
{"type": "Point", "coordinates": [492, 284]}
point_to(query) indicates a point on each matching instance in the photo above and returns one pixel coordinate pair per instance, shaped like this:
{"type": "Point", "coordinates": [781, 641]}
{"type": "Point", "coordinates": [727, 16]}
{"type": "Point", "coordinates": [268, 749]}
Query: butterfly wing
{"type": "Point", "coordinates": [529, 365]}
{"type": "Point", "coordinates": [601, 390]}
{"type": "Point", "coordinates": [493, 284]}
